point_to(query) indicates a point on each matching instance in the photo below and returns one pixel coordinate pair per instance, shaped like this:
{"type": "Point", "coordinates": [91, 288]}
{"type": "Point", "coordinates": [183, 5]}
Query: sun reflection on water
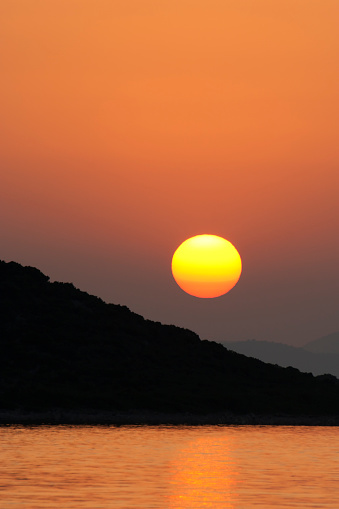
{"type": "Point", "coordinates": [169, 467]}
{"type": "Point", "coordinates": [203, 475]}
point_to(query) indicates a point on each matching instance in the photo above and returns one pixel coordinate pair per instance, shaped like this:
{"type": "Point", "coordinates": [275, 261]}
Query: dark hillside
{"type": "Point", "coordinates": [63, 348]}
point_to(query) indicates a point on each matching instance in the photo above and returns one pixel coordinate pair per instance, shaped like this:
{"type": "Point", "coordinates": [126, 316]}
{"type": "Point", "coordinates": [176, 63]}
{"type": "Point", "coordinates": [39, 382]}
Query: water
{"type": "Point", "coordinates": [170, 467]}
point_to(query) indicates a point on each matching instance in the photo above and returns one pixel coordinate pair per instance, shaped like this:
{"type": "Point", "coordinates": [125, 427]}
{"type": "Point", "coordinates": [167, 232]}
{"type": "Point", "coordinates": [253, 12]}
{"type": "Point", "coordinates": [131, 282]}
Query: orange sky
{"type": "Point", "coordinates": [130, 126]}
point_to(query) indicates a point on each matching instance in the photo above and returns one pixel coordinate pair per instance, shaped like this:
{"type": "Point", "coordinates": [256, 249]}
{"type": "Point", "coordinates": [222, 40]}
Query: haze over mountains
{"type": "Point", "coordinates": [319, 357]}
{"type": "Point", "coordinates": [325, 344]}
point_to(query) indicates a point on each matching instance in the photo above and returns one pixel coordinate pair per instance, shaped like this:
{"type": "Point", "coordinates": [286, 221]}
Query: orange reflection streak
{"type": "Point", "coordinates": [203, 475]}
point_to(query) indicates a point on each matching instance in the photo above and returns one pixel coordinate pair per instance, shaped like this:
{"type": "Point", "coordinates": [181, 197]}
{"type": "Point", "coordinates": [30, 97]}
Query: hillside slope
{"type": "Point", "coordinates": [63, 348]}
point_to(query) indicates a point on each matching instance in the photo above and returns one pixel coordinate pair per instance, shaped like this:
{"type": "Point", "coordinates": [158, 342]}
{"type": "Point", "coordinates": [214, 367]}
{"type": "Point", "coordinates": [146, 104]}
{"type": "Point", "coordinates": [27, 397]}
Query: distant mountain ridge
{"type": "Point", "coordinates": [61, 348]}
{"type": "Point", "coordinates": [325, 344]}
{"type": "Point", "coordinates": [317, 357]}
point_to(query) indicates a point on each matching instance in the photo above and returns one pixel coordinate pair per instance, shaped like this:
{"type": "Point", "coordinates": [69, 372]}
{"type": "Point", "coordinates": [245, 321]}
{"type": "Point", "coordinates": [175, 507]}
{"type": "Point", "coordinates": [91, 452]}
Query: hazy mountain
{"type": "Point", "coordinates": [326, 344]}
{"type": "Point", "coordinates": [63, 348]}
{"type": "Point", "coordinates": [311, 359]}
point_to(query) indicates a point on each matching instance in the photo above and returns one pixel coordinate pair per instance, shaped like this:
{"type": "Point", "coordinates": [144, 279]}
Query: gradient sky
{"type": "Point", "coordinates": [129, 126]}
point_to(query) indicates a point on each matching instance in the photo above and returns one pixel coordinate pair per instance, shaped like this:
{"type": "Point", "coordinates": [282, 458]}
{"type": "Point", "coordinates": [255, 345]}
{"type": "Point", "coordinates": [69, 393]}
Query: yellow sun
{"type": "Point", "coordinates": [206, 266]}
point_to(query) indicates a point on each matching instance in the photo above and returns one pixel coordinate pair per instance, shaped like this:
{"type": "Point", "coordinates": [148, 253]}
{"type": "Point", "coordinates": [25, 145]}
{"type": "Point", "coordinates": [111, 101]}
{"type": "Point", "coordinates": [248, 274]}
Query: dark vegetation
{"type": "Point", "coordinates": [62, 348]}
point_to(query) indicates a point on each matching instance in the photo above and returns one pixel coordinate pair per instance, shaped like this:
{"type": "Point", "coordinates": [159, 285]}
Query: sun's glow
{"type": "Point", "coordinates": [206, 266]}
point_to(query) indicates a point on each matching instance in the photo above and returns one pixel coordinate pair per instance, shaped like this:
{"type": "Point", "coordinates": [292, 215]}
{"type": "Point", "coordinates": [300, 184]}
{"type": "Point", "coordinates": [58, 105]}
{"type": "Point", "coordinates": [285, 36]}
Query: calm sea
{"type": "Point", "coordinates": [169, 467]}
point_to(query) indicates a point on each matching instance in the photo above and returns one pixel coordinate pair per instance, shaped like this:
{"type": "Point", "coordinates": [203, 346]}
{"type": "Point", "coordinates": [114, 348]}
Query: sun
{"type": "Point", "coordinates": [206, 266]}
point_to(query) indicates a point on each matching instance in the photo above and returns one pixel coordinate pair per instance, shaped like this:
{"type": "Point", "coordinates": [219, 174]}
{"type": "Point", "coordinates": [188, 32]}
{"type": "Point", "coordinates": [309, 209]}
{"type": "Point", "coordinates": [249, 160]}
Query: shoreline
{"type": "Point", "coordinates": [59, 417]}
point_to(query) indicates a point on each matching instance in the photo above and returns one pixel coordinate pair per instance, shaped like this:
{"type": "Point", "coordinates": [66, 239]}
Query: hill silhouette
{"type": "Point", "coordinates": [63, 348]}
{"type": "Point", "coordinates": [315, 357]}
{"type": "Point", "coordinates": [326, 345]}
